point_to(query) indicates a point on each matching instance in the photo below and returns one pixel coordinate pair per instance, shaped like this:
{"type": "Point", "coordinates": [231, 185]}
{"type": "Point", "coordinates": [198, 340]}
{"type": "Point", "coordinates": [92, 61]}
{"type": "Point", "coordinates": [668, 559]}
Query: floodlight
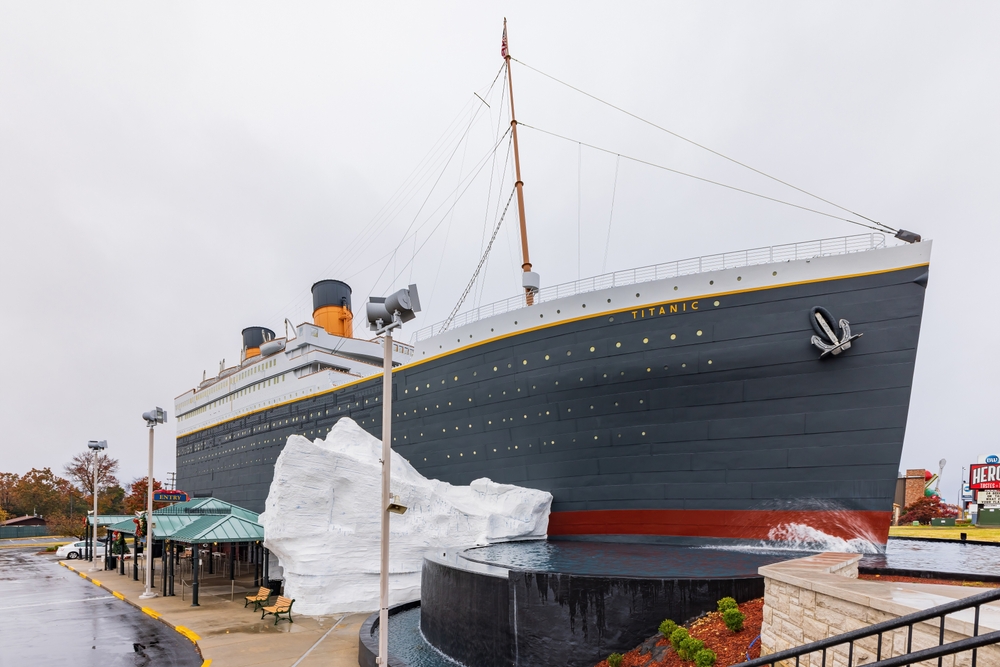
{"type": "Point", "coordinates": [392, 311]}
{"type": "Point", "coordinates": [97, 444]}
{"type": "Point", "coordinates": [909, 237]}
{"type": "Point", "coordinates": [155, 416]}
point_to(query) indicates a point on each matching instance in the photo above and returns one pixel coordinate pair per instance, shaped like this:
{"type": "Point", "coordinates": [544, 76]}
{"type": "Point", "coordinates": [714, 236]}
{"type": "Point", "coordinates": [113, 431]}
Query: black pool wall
{"type": "Point", "coordinates": [535, 618]}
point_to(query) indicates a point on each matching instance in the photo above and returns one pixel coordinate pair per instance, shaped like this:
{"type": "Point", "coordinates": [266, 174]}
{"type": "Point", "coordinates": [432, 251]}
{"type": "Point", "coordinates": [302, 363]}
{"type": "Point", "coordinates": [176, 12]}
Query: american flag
{"type": "Point", "coordinates": [503, 42]}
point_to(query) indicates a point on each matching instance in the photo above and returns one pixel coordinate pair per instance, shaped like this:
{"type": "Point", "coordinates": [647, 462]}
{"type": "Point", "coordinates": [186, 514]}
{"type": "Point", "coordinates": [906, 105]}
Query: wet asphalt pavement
{"type": "Point", "coordinates": [51, 616]}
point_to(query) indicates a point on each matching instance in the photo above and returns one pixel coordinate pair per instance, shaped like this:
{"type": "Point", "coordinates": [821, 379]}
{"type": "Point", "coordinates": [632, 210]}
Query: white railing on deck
{"type": "Point", "coordinates": [727, 260]}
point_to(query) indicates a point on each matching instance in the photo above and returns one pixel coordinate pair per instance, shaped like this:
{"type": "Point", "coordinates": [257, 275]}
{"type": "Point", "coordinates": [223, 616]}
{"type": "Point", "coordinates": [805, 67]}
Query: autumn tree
{"type": "Point", "coordinates": [37, 492]}
{"type": "Point", "coordinates": [81, 471]}
{"type": "Point", "coordinates": [8, 484]}
{"type": "Point", "coordinates": [926, 508]}
{"type": "Point", "coordinates": [135, 501]}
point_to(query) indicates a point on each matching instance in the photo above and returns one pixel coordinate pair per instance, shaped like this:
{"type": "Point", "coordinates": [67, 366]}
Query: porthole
{"type": "Point", "coordinates": [711, 282]}
{"type": "Point", "coordinates": [618, 344]}
{"type": "Point", "coordinates": [491, 329]}
{"type": "Point", "coordinates": [644, 433]}
{"type": "Point", "coordinates": [716, 303]}
{"type": "Point", "coordinates": [649, 370]}
{"type": "Point", "coordinates": [524, 363]}
{"type": "Point", "coordinates": [558, 311]}
{"type": "Point", "coordinates": [774, 273]}
{"type": "Point", "coordinates": [684, 365]}
{"type": "Point", "coordinates": [673, 336]}
{"type": "Point", "coordinates": [540, 315]}
{"type": "Point", "coordinates": [699, 332]}
{"type": "Point", "coordinates": [709, 362]}
{"type": "Point", "coordinates": [584, 305]}
{"type": "Point", "coordinates": [515, 321]}
{"type": "Point", "coordinates": [611, 319]}
{"type": "Point", "coordinates": [494, 368]}
{"type": "Point", "coordinates": [592, 348]}
{"type": "Point", "coordinates": [637, 295]}
{"type": "Point", "coordinates": [609, 300]}
{"type": "Point", "coordinates": [474, 374]}
{"type": "Point", "coordinates": [622, 373]}
{"type": "Point", "coordinates": [456, 378]}
{"type": "Point", "coordinates": [738, 278]}
{"type": "Point", "coordinates": [591, 407]}
{"type": "Point", "coordinates": [569, 353]}
{"type": "Point", "coordinates": [645, 341]}
{"type": "Point", "coordinates": [509, 365]}
{"type": "Point", "coordinates": [546, 357]}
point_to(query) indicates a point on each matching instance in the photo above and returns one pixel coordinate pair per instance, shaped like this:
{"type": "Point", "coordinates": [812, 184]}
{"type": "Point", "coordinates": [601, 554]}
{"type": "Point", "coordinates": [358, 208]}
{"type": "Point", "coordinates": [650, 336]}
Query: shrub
{"type": "Point", "coordinates": [667, 628]}
{"type": "Point", "coordinates": [704, 658]}
{"type": "Point", "coordinates": [615, 660]}
{"type": "Point", "coordinates": [689, 648]}
{"type": "Point", "coordinates": [676, 637]}
{"type": "Point", "coordinates": [727, 603]}
{"type": "Point", "coordinates": [733, 618]}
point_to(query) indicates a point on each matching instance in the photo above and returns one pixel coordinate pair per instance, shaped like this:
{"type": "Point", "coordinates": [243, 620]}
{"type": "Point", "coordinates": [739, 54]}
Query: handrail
{"type": "Point", "coordinates": [967, 644]}
{"type": "Point", "coordinates": [908, 621]}
{"type": "Point", "coordinates": [840, 245]}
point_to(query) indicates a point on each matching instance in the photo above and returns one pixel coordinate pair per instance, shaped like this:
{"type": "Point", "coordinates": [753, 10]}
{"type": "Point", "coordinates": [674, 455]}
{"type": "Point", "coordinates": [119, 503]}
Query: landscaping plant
{"type": "Point", "coordinates": [615, 660]}
{"type": "Point", "coordinates": [727, 603]}
{"type": "Point", "coordinates": [704, 658]}
{"type": "Point", "coordinates": [676, 637]}
{"type": "Point", "coordinates": [689, 648]}
{"type": "Point", "coordinates": [733, 618]}
{"type": "Point", "coordinates": [667, 628]}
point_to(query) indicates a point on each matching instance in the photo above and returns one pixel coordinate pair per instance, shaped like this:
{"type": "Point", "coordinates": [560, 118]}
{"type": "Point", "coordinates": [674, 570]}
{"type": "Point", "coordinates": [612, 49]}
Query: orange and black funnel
{"type": "Point", "coordinates": [332, 307]}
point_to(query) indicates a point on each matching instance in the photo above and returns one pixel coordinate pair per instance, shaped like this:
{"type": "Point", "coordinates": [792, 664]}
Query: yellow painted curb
{"type": "Point", "coordinates": [95, 582]}
{"type": "Point", "coordinates": [207, 663]}
{"type": "Point", "coordinates": [150, 612]}
{"type": "Point", "coordinates": [82, 575]}
{"type": "Point", "coordinates": [118, 595]}
{"type": "Point", "coordinates": [69, 567]}
{"type": "Point", "coordinates": [187, 633]}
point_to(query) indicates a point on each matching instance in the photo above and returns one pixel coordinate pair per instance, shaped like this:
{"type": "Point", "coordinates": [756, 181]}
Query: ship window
{"type": "Point", "coordinates": [739, 278]}
{"type": "Point", "coordinates": [711, 282]}
{"type": "Point", "coordinates": [709, 362]}
{"type": "Point", "coordinates": [716, 303]}
{"type": "Point", "coordinates": [546, 357]}
{"type": "Point", "coordinates": [456, 378]}
{"type": "Point", "coordinates": [673, 336]}
{"type": "Point", "coordinates": [494, 368]}
{"type": "Point", "coordinates": [649, 370]}
{"type": "Point", "coordinates": [699, 332]}
{"type": "Point", "coordinates": [592, 348]}
{"type": "Point", "coordinates": [618, 344]}
{"type": "Point", "coordinates": [569, 353]}
{"type": "Point", "coordinates": [774, 273]}
{"type": "Point", "coordinates": [645, 340]}
{"type": "Point", "coordinates": [524, 363]}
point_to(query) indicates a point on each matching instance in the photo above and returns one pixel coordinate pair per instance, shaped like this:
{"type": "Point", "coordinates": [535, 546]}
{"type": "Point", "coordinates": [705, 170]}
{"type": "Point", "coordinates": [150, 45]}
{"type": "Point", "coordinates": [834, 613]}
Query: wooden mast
{"type": "Point", "coordinates": [518, 184]}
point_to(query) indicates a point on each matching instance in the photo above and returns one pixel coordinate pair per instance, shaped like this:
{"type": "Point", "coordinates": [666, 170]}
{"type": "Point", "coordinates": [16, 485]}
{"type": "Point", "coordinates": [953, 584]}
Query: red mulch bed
{"type": "Point", "coordinates": [919, 580]}
{"type": "Point", "coordinates": [730, 648]}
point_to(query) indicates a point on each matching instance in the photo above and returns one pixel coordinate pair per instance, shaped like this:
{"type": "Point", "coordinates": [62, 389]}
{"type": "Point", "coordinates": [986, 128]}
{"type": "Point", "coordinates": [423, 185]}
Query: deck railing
{"type": "Point", "coordinates": [728, 260]}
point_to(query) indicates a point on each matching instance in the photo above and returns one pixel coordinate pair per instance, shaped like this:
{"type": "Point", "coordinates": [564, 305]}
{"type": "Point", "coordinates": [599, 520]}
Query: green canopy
{"type": "Point", "coordinates": [199, 520]}
{"type": "Point", "coordinates": [226, 528]}
{"type": "Point", "coordinates": [108, 519]}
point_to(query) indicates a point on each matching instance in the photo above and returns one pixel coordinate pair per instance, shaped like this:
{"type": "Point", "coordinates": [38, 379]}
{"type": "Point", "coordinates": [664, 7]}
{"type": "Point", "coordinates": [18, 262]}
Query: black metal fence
{"type": "Point", "coordinates": [794, 656]}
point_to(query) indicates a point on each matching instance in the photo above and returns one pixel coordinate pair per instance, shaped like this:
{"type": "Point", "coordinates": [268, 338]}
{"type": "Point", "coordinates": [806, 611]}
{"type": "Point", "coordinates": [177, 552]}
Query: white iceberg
{"type": "Point", "coordinates": [321, 520]}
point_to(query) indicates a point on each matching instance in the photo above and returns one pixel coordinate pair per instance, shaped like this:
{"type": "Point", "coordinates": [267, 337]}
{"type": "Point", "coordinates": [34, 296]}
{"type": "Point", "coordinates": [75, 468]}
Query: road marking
{"type": "Point", "coordinates": [150, 612]}
{"type": "Point", "coordinates": [54, 602]}
{"type": "Point", "coordinates": [118, 595]}
{"type": "Point", "coordinates": [187, 633]}
{"type": "Point", "coordinates": [304, 655]}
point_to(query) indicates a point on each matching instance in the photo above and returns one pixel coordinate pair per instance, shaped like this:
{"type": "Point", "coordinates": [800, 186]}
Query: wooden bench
{"type": "Point", "coordinates": [282, 606]}
{"type": "Point", "coordinates": [260, 599]}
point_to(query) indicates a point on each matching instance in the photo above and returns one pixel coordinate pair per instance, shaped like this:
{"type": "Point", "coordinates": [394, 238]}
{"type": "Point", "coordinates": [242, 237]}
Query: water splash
{"type": "Point", "coordinates": [802, 537]}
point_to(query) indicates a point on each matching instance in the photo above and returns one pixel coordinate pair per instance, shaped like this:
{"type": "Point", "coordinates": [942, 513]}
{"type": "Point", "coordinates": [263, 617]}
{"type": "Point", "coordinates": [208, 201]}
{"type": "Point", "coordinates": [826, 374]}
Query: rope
{"type": "Point", "coordinates": [699, 178]}
{"type": "Point", "coordinates": [482, 260]}
{"type": "Point", "coordinates": [703, 147]}
{"type": "Point", "coordinates": [607, 242]}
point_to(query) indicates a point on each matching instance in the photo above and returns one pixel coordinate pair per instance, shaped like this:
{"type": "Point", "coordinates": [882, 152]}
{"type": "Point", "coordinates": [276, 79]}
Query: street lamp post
{"type": "Point", "coordinates": [384, 315]}
{"type": "Point", "coordinates": [97, 446]}
{"type": "Point", "coordinates": [153, 417]}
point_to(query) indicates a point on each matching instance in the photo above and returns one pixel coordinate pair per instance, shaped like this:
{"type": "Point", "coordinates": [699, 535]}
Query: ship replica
{"type": "Point", "coordinates": [715, 397]}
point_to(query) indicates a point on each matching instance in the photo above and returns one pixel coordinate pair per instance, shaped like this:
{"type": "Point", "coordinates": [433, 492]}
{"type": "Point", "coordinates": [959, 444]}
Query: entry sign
{"type": "Point", "coordinates": [984, 476]}
{"type": "Point", "coordinates": [180, 496]}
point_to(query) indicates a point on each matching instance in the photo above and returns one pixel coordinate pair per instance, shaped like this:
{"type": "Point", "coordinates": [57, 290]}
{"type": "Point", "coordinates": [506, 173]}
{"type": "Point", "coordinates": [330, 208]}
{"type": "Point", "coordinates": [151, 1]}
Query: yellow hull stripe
{"type": "Point", "coordinates": [549, 325]}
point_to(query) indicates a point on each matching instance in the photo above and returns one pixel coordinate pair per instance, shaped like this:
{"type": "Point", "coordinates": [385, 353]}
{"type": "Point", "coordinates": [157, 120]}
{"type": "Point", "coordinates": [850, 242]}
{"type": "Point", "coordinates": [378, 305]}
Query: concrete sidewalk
{"type": "Point", "coordinates": [229, 635]}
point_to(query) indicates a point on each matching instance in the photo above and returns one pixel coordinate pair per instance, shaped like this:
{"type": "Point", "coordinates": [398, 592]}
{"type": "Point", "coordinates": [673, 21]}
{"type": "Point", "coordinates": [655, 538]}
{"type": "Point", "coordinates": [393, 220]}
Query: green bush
{"type": "Point", "coordinates": [667, 628]}
{"type": "Point", "coordinates": [615, 660]}
{"type": "Point", "coordinates": [704, 658]}
{"type": "Point", "coordinates": [689, 648]}
{"type": "Point", "coordinates": [733, 619]}
{"type": "Point", "coordinates": [676, 637]}
{"type": "Point", "coordinates": [727, 603]}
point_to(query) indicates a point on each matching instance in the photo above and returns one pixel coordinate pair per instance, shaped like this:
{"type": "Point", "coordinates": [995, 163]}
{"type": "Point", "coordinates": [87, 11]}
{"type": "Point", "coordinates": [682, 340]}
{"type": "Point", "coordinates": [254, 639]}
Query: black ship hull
{"type": "Point", "coordinates": [709, 417]}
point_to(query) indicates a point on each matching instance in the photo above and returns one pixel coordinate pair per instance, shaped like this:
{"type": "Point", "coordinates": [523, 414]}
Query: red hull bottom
{"type": "Point", "coordinates": [730, 524]}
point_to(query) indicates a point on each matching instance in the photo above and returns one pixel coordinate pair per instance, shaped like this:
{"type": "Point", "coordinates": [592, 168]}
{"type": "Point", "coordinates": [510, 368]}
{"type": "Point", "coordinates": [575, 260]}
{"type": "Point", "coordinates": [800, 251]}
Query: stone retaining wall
{"type": "Point", "coordinates": [814, 598]}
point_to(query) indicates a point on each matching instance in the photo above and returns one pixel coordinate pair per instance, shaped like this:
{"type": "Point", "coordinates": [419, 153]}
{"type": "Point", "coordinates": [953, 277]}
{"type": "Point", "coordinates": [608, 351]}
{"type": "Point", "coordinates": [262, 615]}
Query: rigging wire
{"type": "Point", "coordinates": [493, 166]}
{"type": "Point", "coordinates": [579, 205]}
{"type": "Point", "coordinates": [703, 147]}
{"type": "Point", "coordinates": [504, 173]}
{"type": "Point", "coordinates": [611, 217]}
{"type": "Point", "coordinates": [698, 178]}
{"type": "Point", "coordinates": [482, 261]}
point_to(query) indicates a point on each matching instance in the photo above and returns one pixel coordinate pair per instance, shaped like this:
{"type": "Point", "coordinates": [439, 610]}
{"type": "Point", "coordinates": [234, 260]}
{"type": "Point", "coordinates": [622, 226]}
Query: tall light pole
{"type": "Point", "coordinates": [97, 446]}
{"type": "Point", "coordinates": [153, 417]}
{"type": "Point", "coordinates": [384, 315]}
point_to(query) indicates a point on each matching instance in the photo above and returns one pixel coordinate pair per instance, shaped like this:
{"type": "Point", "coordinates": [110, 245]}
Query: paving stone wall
{"type": "Point", "coordinates": [795, 615]}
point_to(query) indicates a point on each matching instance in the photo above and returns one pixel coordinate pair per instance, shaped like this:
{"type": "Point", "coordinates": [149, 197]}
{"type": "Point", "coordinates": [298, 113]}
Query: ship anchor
{"type": "Point", "coordinates": [823, 323]}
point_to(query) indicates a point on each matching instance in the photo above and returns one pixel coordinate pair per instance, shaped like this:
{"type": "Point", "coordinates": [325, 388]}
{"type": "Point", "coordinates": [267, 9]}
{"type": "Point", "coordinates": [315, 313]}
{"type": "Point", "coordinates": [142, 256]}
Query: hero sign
{"type": "Point", "coordinates": [984, 476]}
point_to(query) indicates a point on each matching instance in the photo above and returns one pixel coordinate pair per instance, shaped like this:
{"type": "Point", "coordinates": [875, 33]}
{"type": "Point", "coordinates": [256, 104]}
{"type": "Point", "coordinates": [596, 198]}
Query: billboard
{"type": "Point", "coordinates": [984, 476]}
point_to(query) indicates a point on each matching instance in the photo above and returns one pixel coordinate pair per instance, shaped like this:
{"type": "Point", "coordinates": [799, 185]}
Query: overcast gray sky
{"type": "Point", "coordinates": [171, 173]}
